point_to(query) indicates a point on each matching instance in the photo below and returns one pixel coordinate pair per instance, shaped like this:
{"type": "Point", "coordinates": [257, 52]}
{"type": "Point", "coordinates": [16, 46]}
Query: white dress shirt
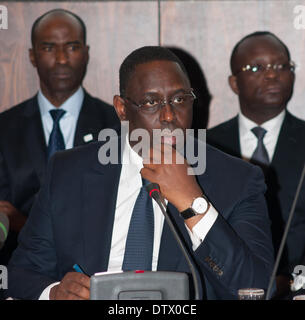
{"type": "Point", "coordinates": [248, 140]}
{"type": "Point", "coordinates": [68, 121]}
{"type": "Point", "coordinates": [129, 187]}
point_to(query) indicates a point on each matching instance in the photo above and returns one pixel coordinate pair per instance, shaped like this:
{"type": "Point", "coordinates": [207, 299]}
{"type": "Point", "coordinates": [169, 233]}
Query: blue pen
{"type": "Point", "coordinates": [77, 268]}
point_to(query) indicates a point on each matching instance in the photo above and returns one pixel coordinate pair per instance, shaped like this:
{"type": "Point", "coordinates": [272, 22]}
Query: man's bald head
{"type": "Point", "coordinates": [234, 54]}
{"type": "Point", "coordinates": [58, 13]}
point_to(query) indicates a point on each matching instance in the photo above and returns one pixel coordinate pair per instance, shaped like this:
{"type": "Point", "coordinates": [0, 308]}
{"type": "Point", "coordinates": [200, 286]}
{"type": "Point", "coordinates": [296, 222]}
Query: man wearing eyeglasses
{"type": "Point", "coordinates": [265, 133]}
{"type": "Point", "coordinates": [88, 213]}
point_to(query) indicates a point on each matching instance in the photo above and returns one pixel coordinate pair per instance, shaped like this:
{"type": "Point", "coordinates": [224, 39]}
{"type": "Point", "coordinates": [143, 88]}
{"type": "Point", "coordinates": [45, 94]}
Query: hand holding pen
{"type": "Point", "coordinates": [73, 286]}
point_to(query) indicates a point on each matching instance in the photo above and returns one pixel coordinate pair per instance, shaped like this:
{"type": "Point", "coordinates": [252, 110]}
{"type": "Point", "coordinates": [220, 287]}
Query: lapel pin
{"type": "Point", "coordinates": [88, 137]}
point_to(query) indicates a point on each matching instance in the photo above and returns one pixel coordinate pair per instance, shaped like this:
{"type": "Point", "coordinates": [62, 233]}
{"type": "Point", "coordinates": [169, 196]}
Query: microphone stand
{"type": "Point", "coordinates": [295, 200]}
{"type": "Point", "coordinates": [153, 190]}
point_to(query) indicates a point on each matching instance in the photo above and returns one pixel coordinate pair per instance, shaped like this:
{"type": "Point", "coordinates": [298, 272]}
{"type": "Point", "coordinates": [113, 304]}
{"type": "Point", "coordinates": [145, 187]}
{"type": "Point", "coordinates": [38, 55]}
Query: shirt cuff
{"type": "Point", "coordinates": [202, 227]}
{"type": "Point", "coordinates": [46, 292]}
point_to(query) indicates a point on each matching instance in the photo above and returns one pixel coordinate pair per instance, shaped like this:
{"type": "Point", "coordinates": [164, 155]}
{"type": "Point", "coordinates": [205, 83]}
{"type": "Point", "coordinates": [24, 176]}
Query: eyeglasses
{"type": "Point", "coordinates": [153, 104]}
{"type": "Point", "coordinates": [259, 68]}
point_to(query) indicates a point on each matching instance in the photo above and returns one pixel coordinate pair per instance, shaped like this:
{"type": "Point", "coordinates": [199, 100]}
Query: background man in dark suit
{"type": "Point", "coordinates": [263, 78]}
{"type": "Point", "coordinates": [84, 212]}
{"type": "Point", "coordinates": [28, 133]}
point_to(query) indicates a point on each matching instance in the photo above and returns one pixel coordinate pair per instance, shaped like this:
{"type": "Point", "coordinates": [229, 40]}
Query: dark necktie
{"type": "Point", "coordinates": [140, 237]}
{"type": "Point", "coordinates": [56, 140]}
{"type": "Point", "coordinates": [260, 155]}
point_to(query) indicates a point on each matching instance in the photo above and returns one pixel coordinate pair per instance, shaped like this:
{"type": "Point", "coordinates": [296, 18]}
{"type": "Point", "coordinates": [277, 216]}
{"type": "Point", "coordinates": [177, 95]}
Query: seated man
{"type": "Point", "coordinates": [84, 212]}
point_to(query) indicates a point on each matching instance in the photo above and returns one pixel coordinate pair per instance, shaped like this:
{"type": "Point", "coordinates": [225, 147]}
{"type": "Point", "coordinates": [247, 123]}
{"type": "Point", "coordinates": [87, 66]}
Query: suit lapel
{"type": "Point", "coordinates": [88, 123]}
{"type": "Point", "coordinates": [100, 188]}
{"type": "Point", "coordinates": [226, 137]}
{"type": "Point", "coordinates": [170, 253]}
{"type": "Point", "coordinates": [286, 144]}
{"type": "Point", "coordinates": [231, 138]}
{"type": "Point", "coordinates": [34, 137]}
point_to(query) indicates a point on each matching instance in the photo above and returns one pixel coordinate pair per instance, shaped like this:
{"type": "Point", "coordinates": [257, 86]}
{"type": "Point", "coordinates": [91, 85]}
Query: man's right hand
{"type": "Point", "coordinates": [73, 286]}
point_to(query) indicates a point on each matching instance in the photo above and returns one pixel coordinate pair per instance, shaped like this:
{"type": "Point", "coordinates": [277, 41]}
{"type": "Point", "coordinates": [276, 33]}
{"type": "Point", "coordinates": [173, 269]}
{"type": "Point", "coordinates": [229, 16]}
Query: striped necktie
{"type": "Point", "coordinates": [140, 237]}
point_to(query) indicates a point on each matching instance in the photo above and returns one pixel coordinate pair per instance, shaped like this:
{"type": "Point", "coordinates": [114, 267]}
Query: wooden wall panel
{"type": "Point", "coordinates": [114, 29]}
{"type": "Point", "coordinates": [210, 29]}
{"type": "Point", "coordinates": [206, 30]}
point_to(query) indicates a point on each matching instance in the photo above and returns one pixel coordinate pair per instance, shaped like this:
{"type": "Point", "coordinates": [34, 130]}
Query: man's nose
{"type": "Point", "coordinates": [61, 56]}
{"type": "Point", "coordinates": [167, 113]}
{"type": "Point", "coordinates": [271, 73]}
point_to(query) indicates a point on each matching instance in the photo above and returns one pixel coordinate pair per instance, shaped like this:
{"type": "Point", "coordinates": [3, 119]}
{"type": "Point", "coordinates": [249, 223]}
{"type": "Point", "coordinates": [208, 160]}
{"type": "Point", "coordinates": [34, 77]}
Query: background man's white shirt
{"type": "Point", "coordinates": [68, 121]}
{"type": "Point", "coordinates": [248, 140]}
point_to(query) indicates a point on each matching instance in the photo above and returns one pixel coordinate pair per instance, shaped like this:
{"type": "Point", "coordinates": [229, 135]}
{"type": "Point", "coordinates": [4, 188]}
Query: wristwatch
{"type": "Point", "coordinates": [200, 205]}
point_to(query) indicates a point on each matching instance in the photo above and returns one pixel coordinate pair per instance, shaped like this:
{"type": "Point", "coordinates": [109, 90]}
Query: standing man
{"type": "Point", "coordinates": [85, 211]}
{"type": "Point", "coordinates": [265, 133]}
{"type": "Point", "coordinates": [62, 115]}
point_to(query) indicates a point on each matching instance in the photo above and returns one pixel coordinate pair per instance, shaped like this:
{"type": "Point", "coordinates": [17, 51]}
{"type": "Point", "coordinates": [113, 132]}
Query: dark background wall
{"type": "Point", "coordinates": [204, 32]}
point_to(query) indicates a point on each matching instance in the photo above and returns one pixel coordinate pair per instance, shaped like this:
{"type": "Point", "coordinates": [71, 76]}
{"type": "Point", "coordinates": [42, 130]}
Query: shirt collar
{"type": "Point", "coordinates": [130, 156]}
{"type": "Point", "coordinates": [272, 125]}
{"type": "Point", "coordinates": [72, 105]}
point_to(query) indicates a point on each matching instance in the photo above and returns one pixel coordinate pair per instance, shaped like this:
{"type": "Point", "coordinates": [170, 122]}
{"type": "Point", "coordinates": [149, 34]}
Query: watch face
{"type": "Point", "coordinates": [200, 205]}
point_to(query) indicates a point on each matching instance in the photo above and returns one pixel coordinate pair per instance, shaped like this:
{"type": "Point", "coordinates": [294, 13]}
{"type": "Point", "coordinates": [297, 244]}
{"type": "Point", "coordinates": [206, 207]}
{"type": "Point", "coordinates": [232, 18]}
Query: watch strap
{"type": "Point", "coordinates": [189, 212]}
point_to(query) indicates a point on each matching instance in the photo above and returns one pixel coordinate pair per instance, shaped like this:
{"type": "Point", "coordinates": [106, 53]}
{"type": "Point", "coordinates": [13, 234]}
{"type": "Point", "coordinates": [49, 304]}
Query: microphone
{"type": "Point", "coordinates": [4, 227]}
{"type": "Point", "coordinates": [279, 254]}
{"type": "Point", "coordinates": [154, 192]}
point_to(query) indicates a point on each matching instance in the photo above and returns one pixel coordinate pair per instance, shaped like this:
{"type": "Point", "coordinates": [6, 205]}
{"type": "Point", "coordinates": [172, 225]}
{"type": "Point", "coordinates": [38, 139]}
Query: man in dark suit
{"type": "Point", "coordinates": [28, 133]}
{"type": "Point", "coordinates": [85, 211]}
{"type": "Point", "coordinates": [263, 78]}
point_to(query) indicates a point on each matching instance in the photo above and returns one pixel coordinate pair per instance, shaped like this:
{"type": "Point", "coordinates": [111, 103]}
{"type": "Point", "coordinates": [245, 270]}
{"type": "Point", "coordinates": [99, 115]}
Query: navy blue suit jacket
{"type": "Point", "coordinates": [282, 178]}
{"type": "Point", "coordinates": [72, 220]}
{"type": "Point", "coordinates": [23, 151]}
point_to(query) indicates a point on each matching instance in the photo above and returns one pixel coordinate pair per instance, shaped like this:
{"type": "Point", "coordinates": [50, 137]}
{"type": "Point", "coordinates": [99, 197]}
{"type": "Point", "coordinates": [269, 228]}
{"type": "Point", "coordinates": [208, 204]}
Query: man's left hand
{"type": "Point", "coordinates": [176, 185]}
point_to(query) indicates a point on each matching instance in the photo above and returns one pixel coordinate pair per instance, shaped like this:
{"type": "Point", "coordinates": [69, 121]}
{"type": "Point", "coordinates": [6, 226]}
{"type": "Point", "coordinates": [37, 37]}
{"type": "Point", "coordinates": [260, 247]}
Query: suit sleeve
{"type": "Point", "coordinates": [237, 251]}
{"type": "Point", "coordinates": [4, 180]}
{"type": "Point", "coordinates": [35, 257]}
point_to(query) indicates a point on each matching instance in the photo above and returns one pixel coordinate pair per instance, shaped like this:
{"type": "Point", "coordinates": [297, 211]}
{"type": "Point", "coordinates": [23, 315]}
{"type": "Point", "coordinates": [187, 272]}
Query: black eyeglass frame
{"type": "Point", "coordinates": [160, 103]}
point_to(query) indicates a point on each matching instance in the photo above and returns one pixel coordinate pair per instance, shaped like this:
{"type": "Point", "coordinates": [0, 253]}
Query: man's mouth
{"type": "Point", "coordinates": [168, 139]}
{"type": "Point", "coordinates": [273, 89]}
{"type": "Point", "coordinates": [62, 75]}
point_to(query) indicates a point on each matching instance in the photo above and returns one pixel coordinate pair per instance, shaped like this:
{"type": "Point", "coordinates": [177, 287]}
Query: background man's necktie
{"type": "Point", "coordinates": [260, 154]}
{"type": "Point", "coordinates": [140, 237]}
{"type": "Point", "coordinates": [56, 140]}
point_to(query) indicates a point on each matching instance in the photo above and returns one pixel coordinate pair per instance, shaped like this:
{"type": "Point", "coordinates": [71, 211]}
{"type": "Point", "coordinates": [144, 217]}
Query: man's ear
{"type": "Point", "coordinates": [293, 75]}
{"type": "Point", "coordinates": [87, 53]}
{"type": "Point", "coordinates": [119, 105]}
{"type": "Point", "coordinates": [32, 57]}
{"type": "Point", "coordinates": [233, 84]}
